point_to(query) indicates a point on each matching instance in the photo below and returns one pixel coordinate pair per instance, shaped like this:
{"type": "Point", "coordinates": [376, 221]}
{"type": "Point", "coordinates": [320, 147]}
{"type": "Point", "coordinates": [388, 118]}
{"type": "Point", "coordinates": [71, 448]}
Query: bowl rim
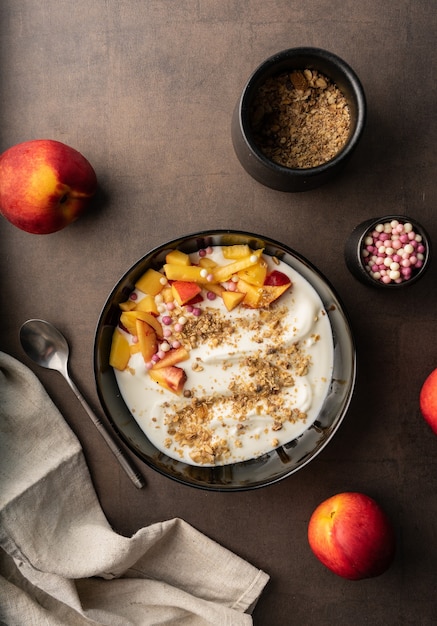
{"type": "Point", "coordinates": [355, 244]}
{"type": "Point", "coordinates": [264, 68]}
{"type": "Point", "coordinates": [320, 432]}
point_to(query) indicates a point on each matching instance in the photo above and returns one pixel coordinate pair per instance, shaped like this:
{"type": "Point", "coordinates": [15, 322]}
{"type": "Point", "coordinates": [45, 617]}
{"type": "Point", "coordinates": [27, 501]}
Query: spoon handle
{"type": "Point", "coordinates": [135, 477]}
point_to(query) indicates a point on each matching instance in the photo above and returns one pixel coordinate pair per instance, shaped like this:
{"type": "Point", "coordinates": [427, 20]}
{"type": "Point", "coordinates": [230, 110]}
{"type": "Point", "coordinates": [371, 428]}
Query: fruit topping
{"type": "Point", "coordinates": [276, 279]}
{"type": "Point", "coordinates": [184, 291]}
{"type": "Point", "coordinates": [155, 315]}
{"type": "Point", "coordinates": [147, 339]}
{"type": "Point", "coordinates": [150, 282]}
{"type": "Point", "coordinates": [172, 378]}
{"type": "Point", "coordinates": [120, 353]}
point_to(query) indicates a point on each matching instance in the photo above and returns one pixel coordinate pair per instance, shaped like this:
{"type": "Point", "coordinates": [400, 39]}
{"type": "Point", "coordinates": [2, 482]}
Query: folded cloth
{"type": "Point", "coordinates": [62, 563]}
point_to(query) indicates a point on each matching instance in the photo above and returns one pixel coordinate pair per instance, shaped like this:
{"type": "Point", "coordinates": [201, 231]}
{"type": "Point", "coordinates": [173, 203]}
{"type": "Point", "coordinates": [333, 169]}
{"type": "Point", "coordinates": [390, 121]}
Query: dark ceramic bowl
{"type": "Point", "coordinates": [263, 169]}
{"type": "Point", "coordinates": [270, 467]}
{"type": "Point", "coordinates": [365, 270]}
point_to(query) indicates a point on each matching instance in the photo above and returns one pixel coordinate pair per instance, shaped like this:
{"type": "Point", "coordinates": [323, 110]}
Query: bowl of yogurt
{"type": "Point", "coordinates": [224, 360]}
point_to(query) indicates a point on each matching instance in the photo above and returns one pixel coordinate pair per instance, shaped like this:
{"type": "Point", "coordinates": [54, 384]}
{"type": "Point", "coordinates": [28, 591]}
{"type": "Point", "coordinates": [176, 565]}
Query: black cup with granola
{"type": "Point", "coordinates": [298, 120]}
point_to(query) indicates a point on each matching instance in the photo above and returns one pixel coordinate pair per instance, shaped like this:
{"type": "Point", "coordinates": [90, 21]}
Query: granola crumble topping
{"type": "Point", "coordinates": [209, 329]}
{"type": "Point", "coordinates": [258, 385]}
{"type": "Point", "coordinates": [301, 119]}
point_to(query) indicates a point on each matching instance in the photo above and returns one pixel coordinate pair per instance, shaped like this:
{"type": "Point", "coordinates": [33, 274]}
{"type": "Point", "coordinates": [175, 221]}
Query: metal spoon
{"type": "Point", "coordinates": [46, 346]}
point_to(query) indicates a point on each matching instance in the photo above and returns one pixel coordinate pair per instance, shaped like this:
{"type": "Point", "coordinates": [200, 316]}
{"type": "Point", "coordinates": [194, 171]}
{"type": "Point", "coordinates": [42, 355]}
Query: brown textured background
{"type": "Point", "coordinates": [145, 90]}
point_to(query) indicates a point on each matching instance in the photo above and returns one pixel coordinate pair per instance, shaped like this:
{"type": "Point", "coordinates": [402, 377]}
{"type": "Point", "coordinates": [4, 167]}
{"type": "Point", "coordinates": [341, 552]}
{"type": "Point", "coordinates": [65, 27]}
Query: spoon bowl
{"type": "Point", "coordinates": [47, 347]}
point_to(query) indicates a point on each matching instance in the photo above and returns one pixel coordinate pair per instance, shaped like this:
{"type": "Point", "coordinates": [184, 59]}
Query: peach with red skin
{"type": "Point", "coordinates": [428, 400]}
{"type": "Point", "coordinates": [184, 291]}
{"type": "Point", "coordinates": [172, 378]}
{"type": "Point", "coordinates": [172, 358]}
{"type": "Point", "coordinates": [352, 536]}
{"type": "Point", "coordinates": [276, 279]}
{"type": "Point", "coordinates": [44, 185]}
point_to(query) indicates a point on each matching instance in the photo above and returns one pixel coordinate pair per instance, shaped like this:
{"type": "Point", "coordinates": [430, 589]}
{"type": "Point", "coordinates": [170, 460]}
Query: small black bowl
{"type": "Point", "coordinates": [263, 169]}
{"type": "Point", "coordinates": [361, 268]}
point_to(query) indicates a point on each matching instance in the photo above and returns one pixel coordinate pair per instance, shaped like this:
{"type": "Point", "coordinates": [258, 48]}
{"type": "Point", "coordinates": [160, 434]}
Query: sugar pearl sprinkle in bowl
{"type": "Point", "coordinates": [388, 252]}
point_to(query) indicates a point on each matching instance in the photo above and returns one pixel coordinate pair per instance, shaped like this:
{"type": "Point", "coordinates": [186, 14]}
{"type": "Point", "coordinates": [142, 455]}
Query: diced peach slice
{"type": "Point", "coordinates": [152, 321]}
{"type": "Point", "coordinates": [236, 251]}
{"type": "Point", "coordinates": [270, 293]}
{"type": "Point", "coordinates": [128, 320]}
{"type": "Point", "coordinates": [172, 378]}
{"type": "Point", "coordinates": [189, 273]}
{"type": "Point", "coordinates": [207, 263]}
{"type": "Point", "coordinates": [150, 282]}
{"type": "Point", "coordinates": [128, 305]}
{"type": "Point", "coordinates": [256, 274]}
{"type": "Point", "coordinates": [147, 339]}
{"type": "Point", "coordinates": [260, 297]}
{"type": "Point", "coordinates": [184, 291]}
{"type": "Point", "coordinates": [252, 294]}
{"type": "Point", "coordinates": [232, 299]}
{"type": "Point", "coordinates": [275, 284]}
{"type": "Point", "coordinates": [172, 358]}
{"type": "Point", "coordinates": [147, 304]}
{"type": "Point", "coordinates": [223, 273]}
{"type": "Point", "coordinates": [176, 257]}
{"type": "Point", "coordinates": [120, 353]}
{"type": "Point", "coordinates": [277, 278]}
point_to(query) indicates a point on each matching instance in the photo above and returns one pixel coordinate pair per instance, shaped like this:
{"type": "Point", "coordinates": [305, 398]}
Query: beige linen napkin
{"type": "Point", "coordinates": [61, 562]}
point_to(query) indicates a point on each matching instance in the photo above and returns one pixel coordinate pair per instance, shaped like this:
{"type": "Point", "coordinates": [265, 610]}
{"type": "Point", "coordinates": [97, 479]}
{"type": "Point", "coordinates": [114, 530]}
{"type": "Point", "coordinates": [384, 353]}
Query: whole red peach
{"type": "Point", "coordinates": [428, 400]}
{"type": "Point", "coordinates": [44, 185]}
{"type": "Point", "coordinates": [352, 536]}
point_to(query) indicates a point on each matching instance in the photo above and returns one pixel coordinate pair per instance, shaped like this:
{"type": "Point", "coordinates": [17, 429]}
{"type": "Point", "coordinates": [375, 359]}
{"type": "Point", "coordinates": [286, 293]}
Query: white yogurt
{"type": "Point", "coordinates": [219, 376]}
